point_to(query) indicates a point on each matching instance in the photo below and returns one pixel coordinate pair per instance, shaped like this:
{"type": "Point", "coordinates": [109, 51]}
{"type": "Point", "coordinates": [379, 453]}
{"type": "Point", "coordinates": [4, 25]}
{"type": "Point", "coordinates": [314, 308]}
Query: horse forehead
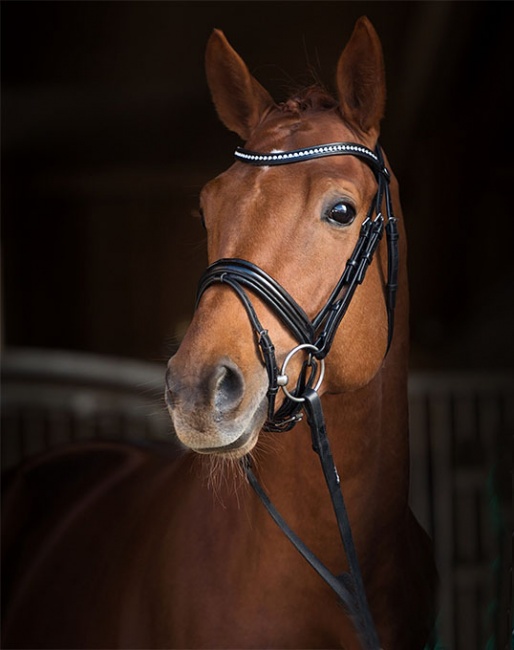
{"type": "Point", "coordinates": [311, 127]}
{"type": "Point", "coordinates": [301, 181]}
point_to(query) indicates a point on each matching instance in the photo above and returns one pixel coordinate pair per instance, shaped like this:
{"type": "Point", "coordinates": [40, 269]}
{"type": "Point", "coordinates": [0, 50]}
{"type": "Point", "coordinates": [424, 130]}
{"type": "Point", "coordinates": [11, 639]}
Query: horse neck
{"type": "Point", "coordinates": [368, 436]}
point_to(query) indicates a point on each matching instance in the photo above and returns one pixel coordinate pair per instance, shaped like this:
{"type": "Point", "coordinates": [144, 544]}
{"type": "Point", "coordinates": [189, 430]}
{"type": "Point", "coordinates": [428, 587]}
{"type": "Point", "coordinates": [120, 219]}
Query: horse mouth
{"type": "Point", "coordinates": [209, 436]}
{"type": "Point", "coordinates": [236, 449]}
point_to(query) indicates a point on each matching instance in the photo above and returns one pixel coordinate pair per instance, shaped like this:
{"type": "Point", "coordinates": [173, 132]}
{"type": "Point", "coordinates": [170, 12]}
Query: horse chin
{"type": "Point", "coordinates": [237, 449]}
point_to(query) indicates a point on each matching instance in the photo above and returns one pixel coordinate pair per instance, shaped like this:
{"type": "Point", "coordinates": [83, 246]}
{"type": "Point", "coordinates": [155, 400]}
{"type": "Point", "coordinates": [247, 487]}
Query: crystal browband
{"type": "Point", "coordinates": [309, 153]}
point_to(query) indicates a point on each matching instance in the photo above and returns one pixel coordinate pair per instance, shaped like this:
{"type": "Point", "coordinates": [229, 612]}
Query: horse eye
{"type": "Point", "coordinates": [342, 213]}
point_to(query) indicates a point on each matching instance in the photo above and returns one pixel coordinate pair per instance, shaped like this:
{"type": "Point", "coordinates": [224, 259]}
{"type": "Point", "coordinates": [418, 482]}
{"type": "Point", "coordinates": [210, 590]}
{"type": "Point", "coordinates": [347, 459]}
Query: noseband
{"type": "Point", "coordinates": [316, 337]}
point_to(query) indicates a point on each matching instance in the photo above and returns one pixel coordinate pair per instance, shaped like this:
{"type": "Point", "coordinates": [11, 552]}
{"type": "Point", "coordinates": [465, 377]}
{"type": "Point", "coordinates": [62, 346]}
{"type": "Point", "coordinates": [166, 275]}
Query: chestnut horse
{"type": "Point", "coordinates": [112, 546]}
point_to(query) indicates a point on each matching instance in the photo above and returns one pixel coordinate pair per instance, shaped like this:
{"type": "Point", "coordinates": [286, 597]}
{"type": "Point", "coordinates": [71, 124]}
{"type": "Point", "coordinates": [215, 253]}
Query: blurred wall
{"type": "Point", "coordinates": [108, 134]}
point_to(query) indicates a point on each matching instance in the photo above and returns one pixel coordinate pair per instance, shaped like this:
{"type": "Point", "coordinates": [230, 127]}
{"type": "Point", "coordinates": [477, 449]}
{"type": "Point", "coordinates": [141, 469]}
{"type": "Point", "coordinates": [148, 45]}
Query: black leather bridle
{"type": "Point", "coordinates": [316, 338]}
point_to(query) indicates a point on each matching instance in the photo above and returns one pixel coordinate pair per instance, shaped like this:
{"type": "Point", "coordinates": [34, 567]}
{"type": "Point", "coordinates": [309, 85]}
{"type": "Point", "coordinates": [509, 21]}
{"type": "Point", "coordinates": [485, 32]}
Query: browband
{"type": "Point", "coordinates": [310, 153]}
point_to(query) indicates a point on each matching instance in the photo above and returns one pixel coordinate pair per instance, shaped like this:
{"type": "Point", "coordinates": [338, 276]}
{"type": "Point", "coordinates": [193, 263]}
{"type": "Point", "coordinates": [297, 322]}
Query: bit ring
{"type": "Point", "coordinates": [283, 379]}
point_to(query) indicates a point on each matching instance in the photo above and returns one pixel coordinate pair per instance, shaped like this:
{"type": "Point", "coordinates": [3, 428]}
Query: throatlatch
{"type": "Point", "coordinates": [316, 337]}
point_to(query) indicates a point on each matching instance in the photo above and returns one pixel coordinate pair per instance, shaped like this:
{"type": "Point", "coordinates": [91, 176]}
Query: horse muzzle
{"type": "Point", "coordinates": [214, 410]}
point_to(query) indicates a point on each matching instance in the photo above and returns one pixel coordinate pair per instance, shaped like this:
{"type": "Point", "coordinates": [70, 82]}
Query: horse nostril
{"type": "Point", "coordinates": [227, 386]}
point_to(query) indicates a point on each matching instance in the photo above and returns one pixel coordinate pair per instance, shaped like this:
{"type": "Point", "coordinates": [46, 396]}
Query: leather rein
{"type": "Point", "coordinates": [315, 338]}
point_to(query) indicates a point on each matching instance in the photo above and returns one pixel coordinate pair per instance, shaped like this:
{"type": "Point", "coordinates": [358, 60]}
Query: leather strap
{"type": "Point", "coordinates": [349, 586]}
{"type": "Point", "coordinates": [361, 613]}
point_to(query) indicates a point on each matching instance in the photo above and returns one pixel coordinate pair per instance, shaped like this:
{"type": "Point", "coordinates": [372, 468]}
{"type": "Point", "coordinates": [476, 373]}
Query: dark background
{"type": "Point", "coordinates": [108, 134]}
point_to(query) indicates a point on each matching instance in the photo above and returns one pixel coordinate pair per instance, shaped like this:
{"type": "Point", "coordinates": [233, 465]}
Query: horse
{"type": "Point", "coordinates": [299, 340]}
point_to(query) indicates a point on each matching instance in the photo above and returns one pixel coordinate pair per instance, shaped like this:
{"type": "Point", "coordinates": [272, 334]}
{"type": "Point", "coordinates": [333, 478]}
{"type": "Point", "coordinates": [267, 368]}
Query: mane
{"type": "Point", "coordinates": [313, 98]}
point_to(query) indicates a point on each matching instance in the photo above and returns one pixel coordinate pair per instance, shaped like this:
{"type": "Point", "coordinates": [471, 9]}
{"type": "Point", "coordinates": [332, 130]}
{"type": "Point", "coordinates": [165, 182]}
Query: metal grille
{"type": "Point", "coordinates": [461, 437]}
{"type": "Point", "coordinates": [52, 398]}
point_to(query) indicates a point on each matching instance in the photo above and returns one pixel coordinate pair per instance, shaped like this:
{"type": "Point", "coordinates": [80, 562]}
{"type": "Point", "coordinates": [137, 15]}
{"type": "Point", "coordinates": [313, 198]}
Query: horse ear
{"type": "Point", "coordinates": [361, 78]}
{"type": "Point", "coordinates": [239, 98]}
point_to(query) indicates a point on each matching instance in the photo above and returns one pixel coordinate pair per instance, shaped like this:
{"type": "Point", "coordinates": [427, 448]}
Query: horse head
{"type": "Point", "coordinates": [299, 223]}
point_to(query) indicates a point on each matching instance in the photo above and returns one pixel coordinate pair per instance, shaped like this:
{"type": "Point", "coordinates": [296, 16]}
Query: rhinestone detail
{"type": "Point", "coordinates": [334, 148]}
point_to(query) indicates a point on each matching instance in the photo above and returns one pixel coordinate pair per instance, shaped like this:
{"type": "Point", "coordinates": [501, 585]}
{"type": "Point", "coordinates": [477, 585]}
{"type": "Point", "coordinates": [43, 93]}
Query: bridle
{"type": "Point", "coordinates": [319, 333]}
{"type": "Point", "coordinates": [315, 337]}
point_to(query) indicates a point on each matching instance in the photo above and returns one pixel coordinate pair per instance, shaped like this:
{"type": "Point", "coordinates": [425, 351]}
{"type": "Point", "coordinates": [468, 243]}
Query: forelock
{"type": "Point", "coordinates": [313, 98]}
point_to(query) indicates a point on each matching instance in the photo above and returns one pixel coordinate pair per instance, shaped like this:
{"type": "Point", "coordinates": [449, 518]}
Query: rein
{"type": "Point", "coordinates": [316, 338]}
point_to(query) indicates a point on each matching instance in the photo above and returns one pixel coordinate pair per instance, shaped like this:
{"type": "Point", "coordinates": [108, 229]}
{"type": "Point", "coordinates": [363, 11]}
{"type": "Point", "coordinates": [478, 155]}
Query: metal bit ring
{"type": "Point", "coordinates": [283, 379]}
